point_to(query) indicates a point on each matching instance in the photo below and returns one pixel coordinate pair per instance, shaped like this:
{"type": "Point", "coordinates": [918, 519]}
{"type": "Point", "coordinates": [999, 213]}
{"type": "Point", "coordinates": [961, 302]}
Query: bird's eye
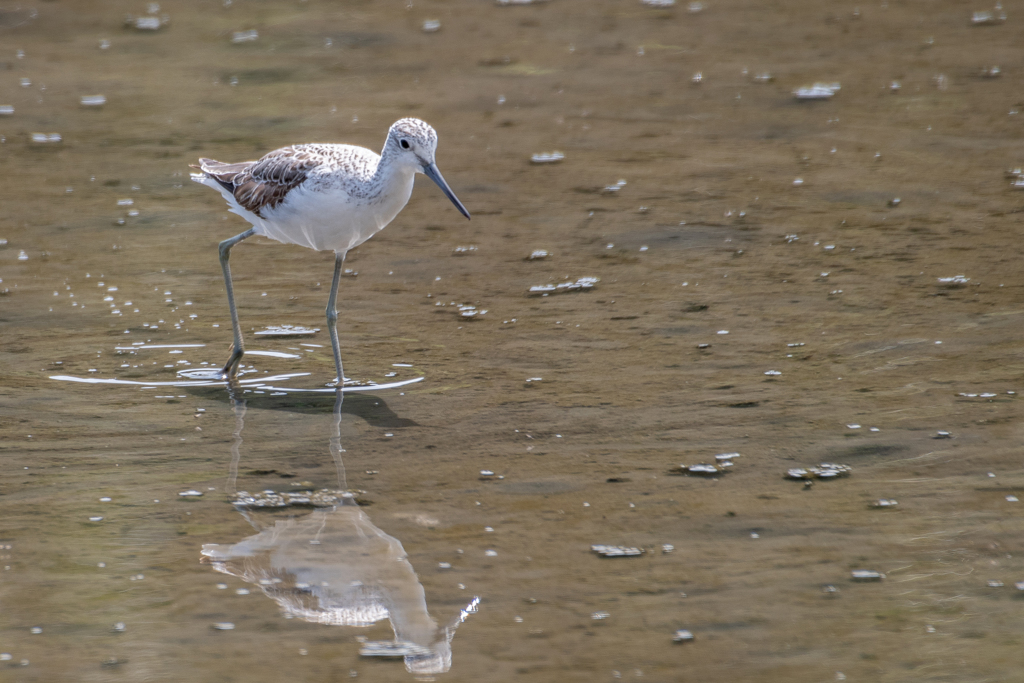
{"type": "Point", "coordinates": [404, 143]}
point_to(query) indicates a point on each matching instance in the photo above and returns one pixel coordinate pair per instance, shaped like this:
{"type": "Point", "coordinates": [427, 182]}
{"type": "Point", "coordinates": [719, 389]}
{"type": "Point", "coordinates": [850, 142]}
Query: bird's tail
{"type": "Point", "coordinates": [224, 174]}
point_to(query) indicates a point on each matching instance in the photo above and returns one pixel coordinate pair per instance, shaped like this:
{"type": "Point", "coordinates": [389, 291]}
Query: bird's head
{"type": "Point", "coordinates": [412, 143]}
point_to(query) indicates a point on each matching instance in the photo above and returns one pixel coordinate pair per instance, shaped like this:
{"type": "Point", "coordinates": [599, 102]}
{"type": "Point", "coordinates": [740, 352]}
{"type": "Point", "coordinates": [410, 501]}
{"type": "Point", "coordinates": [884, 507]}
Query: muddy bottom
{"type": "Point", "coordinates": [796, 281]}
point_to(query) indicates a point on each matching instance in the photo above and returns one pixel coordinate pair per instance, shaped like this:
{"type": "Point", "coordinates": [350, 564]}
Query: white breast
{"type": "Point", "coordinates": [324, 216]}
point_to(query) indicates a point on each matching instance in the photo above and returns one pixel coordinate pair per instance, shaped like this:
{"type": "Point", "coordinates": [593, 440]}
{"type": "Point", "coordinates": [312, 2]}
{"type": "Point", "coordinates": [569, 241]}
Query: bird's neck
{"type": "Point", "coordinates": [391, 172]}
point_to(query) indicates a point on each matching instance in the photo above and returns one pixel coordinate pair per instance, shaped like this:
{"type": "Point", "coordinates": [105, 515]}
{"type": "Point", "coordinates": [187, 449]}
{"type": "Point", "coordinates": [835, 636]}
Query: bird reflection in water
{"type": "Point", "coordinates": [334, 566]}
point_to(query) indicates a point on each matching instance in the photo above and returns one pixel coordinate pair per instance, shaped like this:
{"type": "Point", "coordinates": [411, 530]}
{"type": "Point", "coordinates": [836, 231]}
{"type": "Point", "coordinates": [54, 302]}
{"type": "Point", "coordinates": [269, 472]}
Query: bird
{"type": "Point", "coordinates": [322, 196]}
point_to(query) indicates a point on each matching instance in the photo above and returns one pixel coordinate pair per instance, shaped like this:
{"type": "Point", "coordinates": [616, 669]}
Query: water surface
{"type": "Point", "coordinates": [735, 310]}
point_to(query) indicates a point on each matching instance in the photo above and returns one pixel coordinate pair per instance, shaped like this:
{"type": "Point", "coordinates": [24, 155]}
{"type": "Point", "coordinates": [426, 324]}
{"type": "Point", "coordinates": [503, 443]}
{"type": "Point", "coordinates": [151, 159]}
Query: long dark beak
{"type": "Point", "coordinates": [430, 170]}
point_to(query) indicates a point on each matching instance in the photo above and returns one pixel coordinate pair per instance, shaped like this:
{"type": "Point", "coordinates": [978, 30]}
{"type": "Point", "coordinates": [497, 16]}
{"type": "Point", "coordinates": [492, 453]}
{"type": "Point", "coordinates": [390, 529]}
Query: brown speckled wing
{"type": "Point", "coordinates": [263, 184]}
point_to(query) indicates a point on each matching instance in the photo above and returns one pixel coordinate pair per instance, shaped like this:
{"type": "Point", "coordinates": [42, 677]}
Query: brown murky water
{"type": "Point", "coordinates": [709, 233]}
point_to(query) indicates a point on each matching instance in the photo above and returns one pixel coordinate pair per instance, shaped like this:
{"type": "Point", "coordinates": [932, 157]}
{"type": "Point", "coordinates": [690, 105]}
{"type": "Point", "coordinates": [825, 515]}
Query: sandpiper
{"type": "Point", "coordinates": [322, 196]}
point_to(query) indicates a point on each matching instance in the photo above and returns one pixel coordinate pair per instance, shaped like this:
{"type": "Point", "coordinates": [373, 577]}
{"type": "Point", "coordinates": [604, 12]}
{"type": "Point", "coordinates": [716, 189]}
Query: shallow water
{"type": "Point", "coordinates": [735, 311]}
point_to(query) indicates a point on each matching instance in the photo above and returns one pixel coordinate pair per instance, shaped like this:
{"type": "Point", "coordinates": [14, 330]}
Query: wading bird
{"type": "Point", "coordinates": [322, 196]}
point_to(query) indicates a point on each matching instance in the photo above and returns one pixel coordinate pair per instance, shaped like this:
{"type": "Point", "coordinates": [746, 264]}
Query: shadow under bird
{"type": "Point", "coordinates": [322, 196]}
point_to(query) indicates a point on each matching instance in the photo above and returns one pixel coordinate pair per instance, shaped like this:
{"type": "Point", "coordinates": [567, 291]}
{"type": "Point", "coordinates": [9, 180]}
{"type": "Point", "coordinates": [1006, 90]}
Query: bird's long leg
{"type": "Point", "coordinates": [335, 442]}
{"type": "Point", "coordinates": [332, 315]}
{"type": "Point", "coordinates": [231, 367]}
{"type": "Point", "coordinates": [238, 407]}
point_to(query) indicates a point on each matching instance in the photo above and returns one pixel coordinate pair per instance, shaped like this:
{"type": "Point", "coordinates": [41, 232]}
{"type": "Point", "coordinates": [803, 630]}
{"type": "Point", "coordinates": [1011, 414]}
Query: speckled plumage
{"type": "Point", "coordinates": [322, 196]}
